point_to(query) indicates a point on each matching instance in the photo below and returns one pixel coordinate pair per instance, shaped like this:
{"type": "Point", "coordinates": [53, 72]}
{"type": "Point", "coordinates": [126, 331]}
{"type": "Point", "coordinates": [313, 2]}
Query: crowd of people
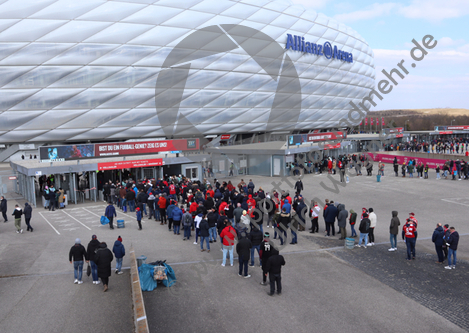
{"type": "Point", "coordinates": [437, 146]}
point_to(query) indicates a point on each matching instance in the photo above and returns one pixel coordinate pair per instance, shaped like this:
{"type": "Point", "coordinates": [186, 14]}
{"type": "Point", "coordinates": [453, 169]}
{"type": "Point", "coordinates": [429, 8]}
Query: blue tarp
{"type": "Point", "coordinates": [147, 283]}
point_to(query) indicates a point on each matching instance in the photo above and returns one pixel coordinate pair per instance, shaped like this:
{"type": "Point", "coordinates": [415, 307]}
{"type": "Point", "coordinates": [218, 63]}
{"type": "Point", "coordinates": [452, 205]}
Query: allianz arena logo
{"type": "Point", "coordinates": [212, 40]}
{"type": "Point", "coordinates": [297, 43]}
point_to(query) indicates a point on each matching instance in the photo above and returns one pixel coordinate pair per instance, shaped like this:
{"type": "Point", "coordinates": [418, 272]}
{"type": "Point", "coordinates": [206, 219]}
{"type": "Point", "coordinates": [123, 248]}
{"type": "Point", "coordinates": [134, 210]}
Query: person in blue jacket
{"type": "Point", "coordinates": [287, 206]}
{"type": "Point", "coordinates": [177, 217]}
{"type": "Point", "coordinates": [330, 215]}
{"type": "Point", "coordinates": [170, 211]}
{"type": "Point", "coordinates": [139, 217]}
{"type": "Point", "coordinates": [110, 212]}
{"type": "Point", "coordinates": [437, 238]}
{"type": "Point", "coordinates": [119, 253]}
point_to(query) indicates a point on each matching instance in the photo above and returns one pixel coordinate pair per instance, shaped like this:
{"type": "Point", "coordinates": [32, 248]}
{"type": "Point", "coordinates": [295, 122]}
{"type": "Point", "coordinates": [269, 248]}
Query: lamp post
{"type": "Point", "coordinates": [405, 125]}
{"type": "Point", "coordinates": [452, 121]}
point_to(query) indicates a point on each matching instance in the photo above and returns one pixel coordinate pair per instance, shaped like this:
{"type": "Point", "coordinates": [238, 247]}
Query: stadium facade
{"type": "Point", "coordinates": [73, 71]}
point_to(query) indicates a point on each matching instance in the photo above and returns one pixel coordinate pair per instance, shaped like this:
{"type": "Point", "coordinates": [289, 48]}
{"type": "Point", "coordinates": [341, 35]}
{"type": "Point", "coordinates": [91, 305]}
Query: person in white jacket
{"type": "Point", "coordinates": [373, 220]}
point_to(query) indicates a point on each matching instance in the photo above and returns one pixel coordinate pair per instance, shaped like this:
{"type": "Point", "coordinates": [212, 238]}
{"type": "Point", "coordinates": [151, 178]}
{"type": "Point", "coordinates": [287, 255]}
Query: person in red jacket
{"type": "Point", "coordinates": [222, 207]}
{"type": "Point", "coordinates": [251, 201]}
{"type": "Point", "coordinates": [412, 217]}
{"type": "Point", "coordinates": [409, 231]}
{"type": "Point", "coordinates": [162, 206]}
{"type": "Point", "coordinates": [210, 192]}
{"type": "Point", "coordinates": [228, 235]}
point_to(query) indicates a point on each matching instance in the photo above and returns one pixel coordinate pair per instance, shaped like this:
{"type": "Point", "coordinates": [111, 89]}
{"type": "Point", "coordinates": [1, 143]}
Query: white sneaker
{"type": "Point", "coordinates": [358, 245]}
{"type": "Point", "coordinates": [120, 272]}
{"type": "Point", "coordinates": [247, 276]}
{"type": "Point", "coordinates": [395, 249]}
{"type": "Point", "coordinates": [454, 267]}
{"type": "Point", "coordinates": [76, 281]}
{"type": "Point", "coordinates": [369, 244]}
{"type": "Point", "coordinates": [364, 246]}
{"type": "Point", "coordinates": [448, 267]}
{"type": "Point", "coordinates": [98, 282]}
{"type": "Point", "coordinates": [80, 282]}
{"type": "Point", "coordinates": [391, 249]}
{"type": "Point", "coordinates": [231, 264]}
{"type": "Point", "coordinates": [21, 231]}
{"type": "Point", "coordinates": [372, 243]}
{"type": "Point", "coordinates": [195, 243]}
{"type": "Point", "coordinates": [223, 265]}
{"type": "Point", "coordinates": [94, 282]}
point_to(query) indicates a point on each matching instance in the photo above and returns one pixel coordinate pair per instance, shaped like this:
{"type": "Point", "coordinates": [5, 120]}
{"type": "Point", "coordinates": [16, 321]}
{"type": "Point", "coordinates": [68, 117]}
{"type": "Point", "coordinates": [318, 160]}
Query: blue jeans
{"type": "Point", "coordinates": [157, 214]}
{"type": "Point", "coordinates": [131, 205]}
{"type": "Point", "coordinates": [354, 233]}
{"type": "Point", "coordinates": [363, 236]}
{"type": "Point", "coordinates": [197, 234]}
{"type": "Point", "coordinates": [258, 248]}
{"type": "Point", "coordinates": [453, 254]}
{"type": "Point", "coordinates": [294, 239]}
{"type": "Point", "coordinates": [206, 239]}
{"type": "Point", "coordinates": [78, 269]}
{"type": "Point", "coordinates": [438, 175]}
{"type": "Point", "coordinates": [230, 250]}
{"type": "Point", "coordinates": [123, 203]}
{"type": "Point", "coordinates": [187, 231]}
{"type": "Point", "coordinates": [213, 233]}
{"type": "Point", "coordinates": [282, 235]}
{"type": "Point", "coordinates": [243, 265]}
{"type": "Point", "coordinates": [94, 270]}
{"type": "Point", "coordinates": [144, 208]}
{"type": "Point", "coordinates": [119, 264]}
{"type": "Point", "coordinates": [177, 228]}
{"type": "Point", "coordinates": [410, 243]}
{"type": "Point", "coordinates": [393, 240]}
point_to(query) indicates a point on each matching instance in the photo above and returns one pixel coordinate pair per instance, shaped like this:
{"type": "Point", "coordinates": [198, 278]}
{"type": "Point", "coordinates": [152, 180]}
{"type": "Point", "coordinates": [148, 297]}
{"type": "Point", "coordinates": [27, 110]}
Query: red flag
{"type": "Point", "coordinates": [377, 121]}
{"type": "Point", "coordinates": [372, 120]}
{"type": "Point", "coordinates": [361, 122]}
{"type": "Point", "coordinates": [366, 121]}
{"type": "Point", "coordinates": [382, 121]}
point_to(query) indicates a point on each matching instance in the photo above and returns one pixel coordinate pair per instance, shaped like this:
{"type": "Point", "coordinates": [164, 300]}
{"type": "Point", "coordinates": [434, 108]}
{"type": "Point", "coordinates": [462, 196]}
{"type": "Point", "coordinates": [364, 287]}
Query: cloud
{"type": "Point", "coordinates": [435, 10]}
{"type": "Point", "coordinates": [373, 11]}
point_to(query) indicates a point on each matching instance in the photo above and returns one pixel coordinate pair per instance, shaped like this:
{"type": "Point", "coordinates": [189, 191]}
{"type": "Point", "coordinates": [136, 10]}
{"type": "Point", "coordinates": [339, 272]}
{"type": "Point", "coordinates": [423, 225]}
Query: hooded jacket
{"type": "Point", "coordinates": [118, 249]}
{"type": "Point", "coordinates": [28, 210]}
{"type": "Point", "coordinates": [353, 217]}
{"type": "Point", "coordinates": [437, 236]}
{"type": "Point", "coordinates": [395, 223]}
{"type": "Point", "coordinates": [103, 259]}
{"type": "Point", "coordinates": [373, 219]}
{"type": "Point", "coordinates": [453, 240]}
{"type": "Point", "coordinates": [342, 216]}
{"type": "Point", "coordinates": [364, 225]}
{"type": "Point", "coordinates": [330, 213]}
{"type": "Point", "coordinates": [91, 250]}
{"type": "Point", "coordinates": [17, 212]}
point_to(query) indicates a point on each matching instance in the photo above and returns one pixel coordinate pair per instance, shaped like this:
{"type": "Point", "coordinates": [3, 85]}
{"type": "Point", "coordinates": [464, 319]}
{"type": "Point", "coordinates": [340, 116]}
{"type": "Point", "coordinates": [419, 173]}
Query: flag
{"type": "Point", "coordinates": [382, 121]}
{"type": "Point", "coordinates": [372, 120]}
{"type": "Point", "coordinates": [366, 121]}
{"type": "Point", "coordinates": [377, 121]}
{"type": "Point", "coordinates": [361, 122]}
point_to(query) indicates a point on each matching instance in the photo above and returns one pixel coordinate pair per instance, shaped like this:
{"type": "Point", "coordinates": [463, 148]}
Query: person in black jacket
{"type": "Point", "coordinates": [267, 250]}
{"type": "Point", "coordinates": [78, 254]}
{"type": "Point", "coordinates": [452, 244]}
{"type": "Point", "coordinates": [437, 238]}
{"type": "Point", "coordinates": [255, 236]}
{"type": "Point", "coordinates": [243, 248]}
{"type": "Point", "coordinates": [17, 214]}
{"type": "Point", "coordinates": [28, 211]}
{"type": "Point", "coordinates": [274, 268]}
{"type": "Point", "coordinates": [330, 213]}
{"type": "Point", "coordinates": [93, 246]}
{"type": "Point", "coordinates": [283, 222]}
{"type": "Point", "coordinates": [3, 208]}
{"type": "Point", "coordinates": [364, 229]}
{"type": "Point", "coordinates": [299, 186]}
{"type": "Point", "coordinates": [103, 259]}
{"type": "Point", "coordinates": [204, 234]}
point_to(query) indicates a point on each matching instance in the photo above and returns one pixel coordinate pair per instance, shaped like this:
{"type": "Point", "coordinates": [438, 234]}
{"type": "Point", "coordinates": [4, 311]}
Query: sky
{"type": "Point", "coordinates": [441, 78]}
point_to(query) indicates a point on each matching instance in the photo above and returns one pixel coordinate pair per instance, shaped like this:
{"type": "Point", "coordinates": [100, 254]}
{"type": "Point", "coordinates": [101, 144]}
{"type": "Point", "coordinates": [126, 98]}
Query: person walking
{"type": "Point", "coordinates": [17, 214]}
{"type": "Point", "coordinates": [330, 213]}
{"type": "Point", "coordinates": [77, 254]}
{"type": "Point", "coordinates": [103, 259]}
{"type": "Point", "coordinates": [243, 248]}
{"type": "Point", "coordinates": [204, 234]}
{"type": "Point", "coordinates": [452, 244]}
{"type": "Point", "coordinates": [177, 217]}
{"type": "Point", "coordinates": [91, 258]}
{"type": "Point", "coordinates": [373, 220]}
{"type": "Point", "coordinates": [393, 231]}
{"type": "Point", "coordinates": [283, 222]}
{"type": "Point", "coordinates": [139, 217]}
{"type": "Point", "coordinates": [227, 236]}
{"type": "Point", "coordinates": [364, 230]}
{"type": "Point", "coordinates": [3, 208]}
{"type": "Point", "coordinates": [119, 252]}
{"type": "Point", "coordinates": [409, 231]}
{"type": "Point", "coordinates": [437, 238]}
{"type": "Point", "coordinates": [27, 212]}
{"type": "Point", "coordinates": [274, 268]}
{"type": "Point", "coordinates": [314, 214]}
{"type": "Point", "coordinates": [187, 222]}
{"type": "Point", "coordinates": [110, 213]}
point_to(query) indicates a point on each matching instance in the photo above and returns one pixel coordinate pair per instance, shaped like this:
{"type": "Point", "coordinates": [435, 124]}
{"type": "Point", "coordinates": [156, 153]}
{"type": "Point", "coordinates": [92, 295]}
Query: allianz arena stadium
{"type": "Point", "coordinates": [74, 71]}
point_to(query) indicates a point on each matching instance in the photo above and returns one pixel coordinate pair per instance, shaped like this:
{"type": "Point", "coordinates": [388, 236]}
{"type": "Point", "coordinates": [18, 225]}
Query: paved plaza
{"type": "Point", "coordinates": [326, 288]}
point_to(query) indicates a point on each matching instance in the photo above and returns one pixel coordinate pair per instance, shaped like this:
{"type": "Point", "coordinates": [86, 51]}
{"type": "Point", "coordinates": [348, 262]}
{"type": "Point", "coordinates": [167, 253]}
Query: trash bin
{"type": "Point", "coordinates": [378, 178]}
{"type": "Point", "coordinates": [349, 243]}
{"type": "Point", "coordinates": [141, 260]}
{"type": "Point", "coordinates": [120, 223]}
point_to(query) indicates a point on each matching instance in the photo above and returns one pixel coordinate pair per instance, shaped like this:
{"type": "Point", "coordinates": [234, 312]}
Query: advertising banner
{"type": "Point", "coordinates": [63, 153]}
{"type": "Point", "coordinates": [456, 128]}
{"type": "Point", "coordinates": [130, 164]}
{"type": "Point", "coordinates": [389, 158]}
{"type": "Point", "coordinates": [326, 136]}
{"type": "Point", "coordinates": [144, 147]}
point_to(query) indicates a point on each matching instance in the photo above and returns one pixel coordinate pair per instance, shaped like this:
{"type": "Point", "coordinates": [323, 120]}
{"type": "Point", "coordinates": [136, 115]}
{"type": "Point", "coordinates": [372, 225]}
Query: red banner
{"type": "Point", "coordinates": [361, 122]}
{"type": "Point", "coordinates": [377, 121]}
{"type": "Point", "coordinates": [366, 121]}
{"type": "Point", "coordinates": [399, 135]}
{"type": "Point", "coordinates": [326, 136]}
{"type": "Point", "coordinates": [382, 121]}
{"type": "Point", "coordinates": [130, 164]}
{"type": "Point", "coordinates": [144, 147]}
{"type": "Point", "coordinates": [446, 132]}
{"type": "Point", "coordinates": [396, 130]}
{"type": "Point", "coordinates": [454, 128]}
{"type": "Point", "coordinates": [389, 158]}
{"type": "Point", "coordinates": [225, 137]}
{"type": "Point", "coordinates": [337, 145]}
{"type": "Point", "coordinates": [372, 120]}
